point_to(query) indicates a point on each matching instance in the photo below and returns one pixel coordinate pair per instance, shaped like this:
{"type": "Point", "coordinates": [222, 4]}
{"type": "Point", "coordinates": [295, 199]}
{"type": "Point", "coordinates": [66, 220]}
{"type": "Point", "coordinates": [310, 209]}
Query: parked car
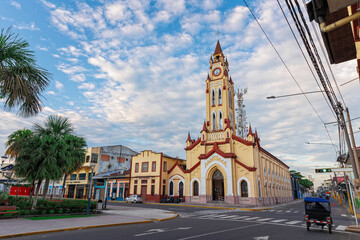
{"type": "Point", "coordinates": [134, 199]}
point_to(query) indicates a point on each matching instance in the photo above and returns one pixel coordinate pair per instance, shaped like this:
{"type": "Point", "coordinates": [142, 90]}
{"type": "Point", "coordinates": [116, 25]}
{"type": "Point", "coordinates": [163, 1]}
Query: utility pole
{"type": "Point", "coordinates": [356, 158]}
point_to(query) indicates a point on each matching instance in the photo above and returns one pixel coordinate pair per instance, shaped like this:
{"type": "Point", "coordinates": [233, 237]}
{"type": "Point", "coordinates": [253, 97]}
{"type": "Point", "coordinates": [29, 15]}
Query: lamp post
{"type": "Point", "coordinates": [92, 166]}
{"type": "Point", "coordinates": [294, 94]}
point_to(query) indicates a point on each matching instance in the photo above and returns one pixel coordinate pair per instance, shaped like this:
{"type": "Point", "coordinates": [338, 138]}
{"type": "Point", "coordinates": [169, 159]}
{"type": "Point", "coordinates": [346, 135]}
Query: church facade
{"type": "Point", "coordinates": [221, 166]}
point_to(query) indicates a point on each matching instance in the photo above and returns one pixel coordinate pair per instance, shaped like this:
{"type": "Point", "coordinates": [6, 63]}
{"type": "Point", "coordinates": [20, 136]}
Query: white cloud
{"type": "Point", "coordinates": [30, 27]}
{"type": "Point", "coordinates": [51, 93]}
{"type": "Point", "coordinates": [15, 4]}
{"type": "Point", "coordinates": [71, 103]}
{"type": "Point", "coordinates": [48, 4]}
{"type": "Point", "coordinates": [235, 19]}
{"type": "Point", "coordinates": [87, 86]}
{"type": "Point", "coordinates": [59, 85]}
{"type": "Point", "coordinates": [42, 48]}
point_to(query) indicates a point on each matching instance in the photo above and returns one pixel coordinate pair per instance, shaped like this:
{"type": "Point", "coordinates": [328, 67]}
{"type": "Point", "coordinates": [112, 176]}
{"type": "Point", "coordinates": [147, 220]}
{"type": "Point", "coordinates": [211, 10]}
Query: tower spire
{"type": "Point", "coordinates": [188, 138]}
{"type": "Point", "coordinates": [218, 48]}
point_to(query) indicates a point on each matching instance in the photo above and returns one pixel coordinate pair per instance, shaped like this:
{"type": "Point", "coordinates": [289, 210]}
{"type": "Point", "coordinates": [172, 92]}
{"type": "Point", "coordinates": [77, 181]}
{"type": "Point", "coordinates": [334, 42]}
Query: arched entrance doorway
{"type": "Point", "coordinates": [218, 186]}
{"type": "Point", "coordinates": [181, 190]}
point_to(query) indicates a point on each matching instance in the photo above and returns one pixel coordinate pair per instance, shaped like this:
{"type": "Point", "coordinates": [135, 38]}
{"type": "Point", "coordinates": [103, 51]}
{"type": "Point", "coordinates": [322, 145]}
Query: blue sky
{"type": "Point", "coordinates": [133, 72]}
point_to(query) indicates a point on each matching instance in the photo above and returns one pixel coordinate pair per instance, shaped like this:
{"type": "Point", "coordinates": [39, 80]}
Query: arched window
{"type": "Point", "coordinates": [244, 188]}
{"type": "Point", "coordinates": [220, 120]}
{"type": "Point", "coordinates": [213, 97]}
{"type": "Point", "coordinates": [195, 188]}
{"type": "Point", "coordinates": [230, 98]}
{"type": "Point", "coordinates": [231, 119]}
{"type": "Point", "coordinates": [220, 97]}
{"type": "Point", "coordinates": [213, 121]}
{"type": "Point", "coordinates": [259, 187]}
{"type": "Point", "coordinates": [171, 192]}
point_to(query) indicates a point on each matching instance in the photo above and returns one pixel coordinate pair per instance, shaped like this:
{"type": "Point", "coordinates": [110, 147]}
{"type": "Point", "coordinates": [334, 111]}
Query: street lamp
{"type": "Point", "coordinates": [294, 94]}
{"type": "Point", "coordinates": [92, 166]}
{"type": "Point", "coordinates": [337, 150]}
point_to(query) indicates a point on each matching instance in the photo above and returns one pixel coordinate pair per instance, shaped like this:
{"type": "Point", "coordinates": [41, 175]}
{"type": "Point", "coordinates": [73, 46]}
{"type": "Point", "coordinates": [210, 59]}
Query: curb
{"type": "Point", "coordinates": [353, 228]}
{"type": "Point", "coordinates": [164, 219]}
{"type": "Point", "coordinates": [74, 228]}
{"type": "Point", "coordinates": [194, 206]}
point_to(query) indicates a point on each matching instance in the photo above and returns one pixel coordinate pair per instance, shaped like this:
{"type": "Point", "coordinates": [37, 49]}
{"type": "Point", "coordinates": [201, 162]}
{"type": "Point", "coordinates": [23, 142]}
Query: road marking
{"type": "Point", "coordinates": [160, 230]}
{"type": "Point", "coordinates": [221, 231]}
{"type": "Point", "coordinates": [343, 215]}
{"type": "Point", "coordinates": [293, 222]}
{"type": "Point", "coordinates": [241, 217]}
{"type": "Point", "coordinates": [231, 216]}
{"type": "Point", "coordinates": [264, 219]}
{"type": "Point", "coordinates": [251, 218]}
{"type": "Point", "coordinates": [341, 228]}
{"type": "Point", "coordinates": [271, 210]}
{"type": "Point", "coordinates": [296, 211]}
{"type": "Point", "coordinates": [261, 238]}
{"type": "Point", "coordinates": [279, 210]}
{"type": "Point", "coordinates": [278, 220]}
{"type": "Point", "coordinates": [288, 211]}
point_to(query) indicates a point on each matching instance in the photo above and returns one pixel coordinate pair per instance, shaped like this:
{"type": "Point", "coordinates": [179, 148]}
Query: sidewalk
{"type": "Point", "coordinates": [118, 215]}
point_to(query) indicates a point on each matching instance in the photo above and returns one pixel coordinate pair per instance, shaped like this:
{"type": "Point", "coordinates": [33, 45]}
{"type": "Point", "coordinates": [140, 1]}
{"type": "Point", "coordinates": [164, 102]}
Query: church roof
{"type": "Point", "coordinates": [218, 48]}
{"type": "Point", "coordinates": [189, 138]}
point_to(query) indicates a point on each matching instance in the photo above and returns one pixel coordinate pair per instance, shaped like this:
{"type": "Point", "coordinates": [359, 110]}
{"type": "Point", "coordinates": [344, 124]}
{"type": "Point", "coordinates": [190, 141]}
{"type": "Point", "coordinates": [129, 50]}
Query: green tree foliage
{"type": "Point", "coordinates": [49, 153]}
{"type": "Point", "coordinates": [302, 180]}
{"type": "Point", "coordinates": [15, 141]}
{"type": "Point", "coordinates": [21, 79]}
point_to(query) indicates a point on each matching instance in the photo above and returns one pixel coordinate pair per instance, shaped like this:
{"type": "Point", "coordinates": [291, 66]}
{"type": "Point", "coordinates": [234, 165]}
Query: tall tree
{"type": "Point", "coordinates": [21, 80]}
{"type": "Point", "coordinates": [15, 141]}
{"type": "Point", "coordinates": [56, 127]}
{"type": "Point", "coordinates": [241, 126]}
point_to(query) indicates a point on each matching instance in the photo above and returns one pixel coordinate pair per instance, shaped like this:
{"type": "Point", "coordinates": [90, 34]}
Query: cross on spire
{"type": "Point", "coordinates": [218, 33]}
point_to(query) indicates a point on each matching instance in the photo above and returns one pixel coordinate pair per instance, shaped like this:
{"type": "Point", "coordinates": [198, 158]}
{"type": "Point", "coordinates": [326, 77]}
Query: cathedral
{"type": "Point", "coordinates": [219, 166]}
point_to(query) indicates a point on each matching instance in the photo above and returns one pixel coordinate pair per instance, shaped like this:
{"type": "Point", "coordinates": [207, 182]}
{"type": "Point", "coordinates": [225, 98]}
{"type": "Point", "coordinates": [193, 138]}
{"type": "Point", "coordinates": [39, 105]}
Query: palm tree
{"type": "Point", "coordinates": [21, 79]}
{"type": "Point", "coordinates": [57, 127]}
{"type": "Point", "coordinates": [15, 141]}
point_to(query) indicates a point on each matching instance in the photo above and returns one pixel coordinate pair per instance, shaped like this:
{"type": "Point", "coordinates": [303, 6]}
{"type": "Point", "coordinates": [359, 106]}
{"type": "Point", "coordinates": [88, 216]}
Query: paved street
{"type": "Point", "coordinates": [285, 222]}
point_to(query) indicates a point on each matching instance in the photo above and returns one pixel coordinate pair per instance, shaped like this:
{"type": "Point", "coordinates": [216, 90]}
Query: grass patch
{"type": "Point", "coordinates": [59, 217]}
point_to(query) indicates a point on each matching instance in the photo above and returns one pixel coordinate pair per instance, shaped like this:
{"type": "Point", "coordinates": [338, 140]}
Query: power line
{"type": "Point", "coordinates": [307, 62]}
{"type": "Point", "coordinates": [292, 76]}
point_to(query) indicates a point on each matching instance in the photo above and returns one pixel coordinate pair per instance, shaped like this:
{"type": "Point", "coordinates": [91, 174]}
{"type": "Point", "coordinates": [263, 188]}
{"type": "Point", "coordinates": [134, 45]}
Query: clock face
{"type": "Point", "coordinates": [217, 71]}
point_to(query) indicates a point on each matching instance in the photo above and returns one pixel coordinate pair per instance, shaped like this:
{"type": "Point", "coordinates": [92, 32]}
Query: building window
{"type": "Point", "coordinates": [164, 181]}
{"type": "Point", "coordinates": [152, 190]}
{"type": "Point", "coordinates": [171, 190]}
{"type": "Point", "coordinates": [73, 176]}
{"type": "Point", "coordinates": [153, 167]}
{"type": "Point", "coordinates": [213, 97]}
{"type": "Point", "coordinates": [230, 99]}
{"type": "Point", "coordinates": [152, 180]}
{"type": "Point", "coordinates": [136, 167]}
{"type": "Point", "coordinates": [135, 181]}
{"type": "Point", "coordinates": [220, 97]}
{"type": "Point", "coordinates": [87, 158]}
{"type": "Point", "coordinates": [231, 120]}
{"type": "Point", "coordinates": [164, 189]}
{"type": "Point", "coordinates": [244, 188]}
{"type": "Point", "coordinates": [164, 167]}
{"type": "Point", "coordinates": [213, 121]}
{"type": "Point", "coordinates": [144, 166]}
{"type": "Point", "coordinates": [135, 189]}
{"type": "Point", "coordinates": [220, 120]}
{"type": "Point", "coordinates": [195, 188]}
{"type": "Point", "coordinates": [94, 157]}
{"type": "Point", "coordinates": [143, 181]}
{"type": "Point", "coordinates": [82, 176]}
{"type": "Point", "coordinates": [89, 176]}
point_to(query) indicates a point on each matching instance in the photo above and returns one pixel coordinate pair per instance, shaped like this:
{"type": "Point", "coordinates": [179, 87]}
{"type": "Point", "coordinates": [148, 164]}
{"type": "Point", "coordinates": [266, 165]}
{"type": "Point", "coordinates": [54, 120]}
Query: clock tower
{"type": "Point", "coordinates": [220, 114]}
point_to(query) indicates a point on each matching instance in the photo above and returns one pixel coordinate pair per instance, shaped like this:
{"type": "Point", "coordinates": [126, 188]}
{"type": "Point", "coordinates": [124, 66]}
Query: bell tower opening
{"type": "Point", "coordinates": [218, 186]}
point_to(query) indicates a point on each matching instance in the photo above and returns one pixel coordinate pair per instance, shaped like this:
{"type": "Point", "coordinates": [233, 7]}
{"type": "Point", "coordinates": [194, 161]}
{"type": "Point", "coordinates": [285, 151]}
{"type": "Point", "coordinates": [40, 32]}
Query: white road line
{"type": "Point", "coordinates": [221, 231]}
{"type": "Point", "coordinates": [278, 220]}
{"type": "Point", "coordinates": [264, 219]}
{"type": "Point", "coordinates": [271, 210]}
{"type": "Point", "coordinates": [288, 211]}
{"type": "Point", "coordinates": [241, 217]}
{"type": "Point", "coordinates": [341, 228]}
{"type": "Point", "coordinates": [279, 210]}
{"type": "Point", "coordinates": [296, 211]}
{"type": "Point", "coordinates": [250, 218]}
{"type": "Point", "coordinates": [231, 216]}
{"type": "Point", "coordinates": [293, 222]}
{"type": "Point", "coordinates": [343, 215]}
{"type": "Point", "coordinates": [208, 216]}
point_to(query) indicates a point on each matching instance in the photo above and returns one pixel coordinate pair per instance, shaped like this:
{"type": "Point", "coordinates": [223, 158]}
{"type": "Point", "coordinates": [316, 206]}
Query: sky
{"type": "Point", "coordinates": [133, 73]}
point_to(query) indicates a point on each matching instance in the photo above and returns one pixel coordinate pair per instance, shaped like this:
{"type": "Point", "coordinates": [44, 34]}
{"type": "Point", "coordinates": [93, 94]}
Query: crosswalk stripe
{"type": "Point", "coordinates": [231, 216]}
{"type": "Point", "coordinates": [264, 219]}
{"type": "Point", "coordinates": [271, 210]}
{"type": "Point", "coordinates": [251, 218]}
{"type": "Point", "coordinates": [293, 222]}
{"type": "Point", "coordinates": [278, 220]}
{"type": "Point", "coordinates": [241, 217]}
{"type": "Point", "coordinates": [341, 228]}
{"type": "Point", "coordinates": [208, 216]}
{"type": "Point", "coordinates": [279, 210]}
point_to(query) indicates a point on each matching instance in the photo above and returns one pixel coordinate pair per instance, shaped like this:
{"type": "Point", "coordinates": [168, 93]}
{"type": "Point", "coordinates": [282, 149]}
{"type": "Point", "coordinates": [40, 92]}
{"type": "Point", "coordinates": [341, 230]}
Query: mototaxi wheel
{"type": "Point", "coordinates": [329, 226]}
{"type": "Point", "coordinates": [308, 226]}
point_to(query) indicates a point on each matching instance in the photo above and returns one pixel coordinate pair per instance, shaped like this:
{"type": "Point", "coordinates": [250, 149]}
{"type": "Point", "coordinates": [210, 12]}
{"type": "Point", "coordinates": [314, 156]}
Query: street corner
{"type": "Point", "coordinates": [353, 228]}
